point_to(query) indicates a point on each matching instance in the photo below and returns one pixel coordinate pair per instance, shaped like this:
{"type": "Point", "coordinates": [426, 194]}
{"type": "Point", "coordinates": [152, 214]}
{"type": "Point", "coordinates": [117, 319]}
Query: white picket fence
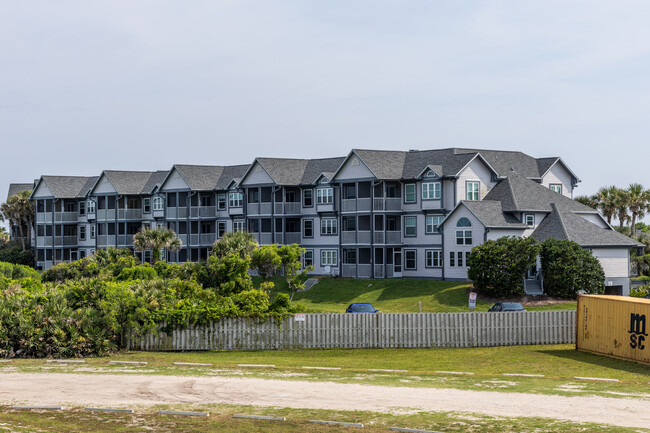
{"type": "Point", "coordinates": [329, 331]}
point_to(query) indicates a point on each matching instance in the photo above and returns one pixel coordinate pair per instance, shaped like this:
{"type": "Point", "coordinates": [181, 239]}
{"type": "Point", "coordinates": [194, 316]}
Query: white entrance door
{"type": "Point", "coordinates": [397, 263]}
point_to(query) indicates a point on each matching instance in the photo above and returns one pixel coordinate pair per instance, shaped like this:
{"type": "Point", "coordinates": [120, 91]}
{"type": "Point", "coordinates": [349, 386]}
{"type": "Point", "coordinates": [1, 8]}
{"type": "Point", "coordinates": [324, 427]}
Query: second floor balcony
{"type": "Point", "coordinates": [356, 204]}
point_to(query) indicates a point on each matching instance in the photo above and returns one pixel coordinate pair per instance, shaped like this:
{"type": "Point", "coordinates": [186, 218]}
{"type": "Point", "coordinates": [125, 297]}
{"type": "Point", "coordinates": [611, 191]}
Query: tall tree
{"type": "Point", "coordinates": [588, 200]}
{"type": "Point", "coordinates": [638, 201]}
{"type": "Point", "coordinates": [19, 211]}
{"type": "Point", "coordinates": [622, 204]}
{"type": "Point", "coordinates": [156, 240]}
{"type": "Point", "coordinates": [605, 197]}
{"type": "Point", "coordinates": [240, 243]}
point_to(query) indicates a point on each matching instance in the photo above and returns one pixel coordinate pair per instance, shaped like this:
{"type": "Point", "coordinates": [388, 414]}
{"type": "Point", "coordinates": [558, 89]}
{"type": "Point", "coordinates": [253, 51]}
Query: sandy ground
{"type": "Point", "coordinates": [121, 391]}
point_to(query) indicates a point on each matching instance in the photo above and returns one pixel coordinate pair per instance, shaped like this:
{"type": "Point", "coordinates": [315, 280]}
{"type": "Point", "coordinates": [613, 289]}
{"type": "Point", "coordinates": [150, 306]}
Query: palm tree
{"type": "Point", "coordinates": [156, 240]}
{"type": "Point", "coordinates": [19, 211]}
{"type": "Point", "coordinates": [605, 199]}
{"type": "Point", "coordinates": [638, 201]}
{"type": "Point", "coordinates": [621, 203]}
{"type": "Point", "coordinates": [588, 200]}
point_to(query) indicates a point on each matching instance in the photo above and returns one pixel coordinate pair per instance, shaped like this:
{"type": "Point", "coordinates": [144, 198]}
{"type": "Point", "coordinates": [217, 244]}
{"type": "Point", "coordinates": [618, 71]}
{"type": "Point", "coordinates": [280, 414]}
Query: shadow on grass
{"type": "Point", "coordinates": [599, 360]}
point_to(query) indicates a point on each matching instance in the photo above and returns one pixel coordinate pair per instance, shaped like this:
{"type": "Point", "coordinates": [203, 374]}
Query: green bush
{"type": "Point", "coordinates": [13, 253]}
{"type": "Point", "coordinates": [140, 272]}
{"type": "Point", "coordinates": [497, 267]}
{"type": "Point", "coordinates": [641, 291]}
{"type": "Point", "coordinates": [17, 272]}
{"type": "Point", "coordinates": [569, 268]}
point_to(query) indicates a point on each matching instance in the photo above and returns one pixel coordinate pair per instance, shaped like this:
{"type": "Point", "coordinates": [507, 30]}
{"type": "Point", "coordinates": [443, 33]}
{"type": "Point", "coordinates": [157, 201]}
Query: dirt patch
{"type": "Point", "coordinates": [129, 391]}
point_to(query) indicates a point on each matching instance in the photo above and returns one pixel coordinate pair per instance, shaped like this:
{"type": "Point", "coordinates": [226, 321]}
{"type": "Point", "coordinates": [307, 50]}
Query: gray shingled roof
{"type": "Point", "coordinates": [67, 186]}
{"type": "Point", "coordinates": [385, 164]}
{"type": "Point", "coordinates": [516, 193]}
{"type": "Point", "coordinates": [155, 180]}
{"type": "Point", "coordinates": [491, 215]}
{"type": "Point", "coordinates": [229, 173]}
{"type": "Point", "coordinates": [284, 171]}
{"type": "Point", "coordinates": [88, 186]}
{"type": "Point", "coordinates": [316, 167]}
{"type": "Point", "coordinates": [128, 182]}
{"type": "Point", "coordinates": [565, 224]}
{"type": "Point", "coordinates": [543, 164]}
{"type": "Point", "coordinates": [448, 161]}
{"type": "Point", "coordinates": [200, 177]}
{"type": "Point", "coordinates": [15, 188]}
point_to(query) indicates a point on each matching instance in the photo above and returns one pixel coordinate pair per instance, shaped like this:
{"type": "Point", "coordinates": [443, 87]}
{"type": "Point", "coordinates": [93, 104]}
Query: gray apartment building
{"type": "Point", "coordinates": [370, 214]}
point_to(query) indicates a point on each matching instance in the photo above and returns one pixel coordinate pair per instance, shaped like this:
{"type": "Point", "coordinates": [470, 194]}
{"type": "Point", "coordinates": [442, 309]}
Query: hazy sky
{"type": "Point", "coordinates": [141, 85]}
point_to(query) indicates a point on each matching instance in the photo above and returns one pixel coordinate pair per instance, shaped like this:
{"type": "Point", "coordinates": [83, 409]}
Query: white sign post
{"type": "Point", "coordinates": [472, 301]}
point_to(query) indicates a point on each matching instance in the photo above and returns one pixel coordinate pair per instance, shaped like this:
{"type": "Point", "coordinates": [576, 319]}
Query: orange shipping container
{"type": "Point", "coordinates": [615, 326]}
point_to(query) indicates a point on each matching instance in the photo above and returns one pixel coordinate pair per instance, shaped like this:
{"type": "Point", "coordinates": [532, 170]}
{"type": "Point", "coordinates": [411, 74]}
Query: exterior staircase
{"type": "Point", "coordinates": [533, 287]}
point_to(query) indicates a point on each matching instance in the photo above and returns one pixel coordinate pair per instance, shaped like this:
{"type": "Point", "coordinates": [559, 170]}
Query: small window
{"type": "Point", "coordinates": [82, 233]}
{"type": "Point", "coordinates": [238, 226]}
{"type": "Point", "coordinates": [308, 258]}
{"type": "Point", "coordinates": [530, 220]}
{"type": "Point", "coordinates": [236, 199]}
{"type": "Point", "coordinates": [329, 257]}
{"type": "Point", "coordinates": [146, 205]}
{"type": "Point", "coordinates": [221, 201]}
{"type": "Point", "coordinates": [433, 224]}
{"type": "Point", "coordinates": [473, 190]}
{"type": "Point", "coordinates": [431, 191]}
{"type": "Point", "coordinates": [460, 259]}
{"type": "Point", "coordinates": [433, 258]}
{"type": "Point", "coordinates": [463, 237]}
{"type": "Point", "coordinates": [463, 222]}
{"type": "Point", "coordinates": [307, 197]}
{"type": "Point", "coordinates": [328, 226]}
{"type": "Point", "coordinates": [92, 232]}
{"type": "Point", "coordinates": [308, 228]}
{"type": "Point", "coordinates": [467, 253]}
{"type": "Point", "coordinates": [452, 258]}
{"type": "Point", "coordinates": [409, 193]}
{"type": "Point", "coordinates": [325, 196]}
{"type": "Point", "coordinates": [221, 228]}
{"type": "Point", "coordinates": [158, 203]}
{"type": "Point", "coordinates": [82, 208]}
{"type": "Point", "coordinates": [410, 259]}
{"type": "Point", "coordinates": [410, 226]}
{"type": "Point", "coordinates": [355, 161]}
{"type": "Point", "coordinates": [556, 187]}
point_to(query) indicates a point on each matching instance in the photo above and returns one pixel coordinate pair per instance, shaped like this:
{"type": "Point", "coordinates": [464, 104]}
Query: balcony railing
{"type": "Point", "coordinates": [349, 270]}
{"type": "Point", "coordinates": [253, 209]}
{"type": "Point", "coordinates": [364, 271]}
{"type": "Point", "coordinates": [379, 271]}
{"type": "Point", "coordinates": [287, 238]}
{"type": "Point", "coordinates": [44, 217]}
{"type": "Point", "coordinates": [379, 237]}
{"type": "Point", "coordinates": [393, 237]}
{"type": "Point", "coordinates": [289, 208]}
{"type": "Point", "coordinates": [390, 203]}
{"type": "Point", "coordinates": [106, 214]}
{"type": "Point", "coordinates": [69, 240]}
{"type": "Point", "coordinates": [125, 240]}
{"type": "Point", "coordinates": [348, 205]}
{"type": "Point", "coordinates": [349, 237]}
{"type": "Point", "coordinates": [129, 214]}
{"type": "Point", "coordinates": [66, 216]}
{"type": "Point", "coordinates": [44, 241]}
{"type": "Point", "coordinates": [263, 238]}
{"type": "Point", "coordinates": [208, 238]}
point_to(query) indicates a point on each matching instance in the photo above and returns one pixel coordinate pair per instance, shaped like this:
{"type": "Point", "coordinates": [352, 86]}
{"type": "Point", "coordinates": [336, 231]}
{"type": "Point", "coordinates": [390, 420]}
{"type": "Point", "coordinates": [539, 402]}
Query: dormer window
{"type": "Point", "coordinates": [530, 220]}
{"type": "Point", "coordinates": [431, 191]}
{"type": "Point", "coordinates": [556, 187]}
{"type": "Point", "coordinates": [355, 161]}
{"type": "Point", "coordinates": [473, 189]}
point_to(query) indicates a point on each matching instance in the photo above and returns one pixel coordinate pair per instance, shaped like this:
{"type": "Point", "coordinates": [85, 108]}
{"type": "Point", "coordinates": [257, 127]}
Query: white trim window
{"type": "Point", "coordinates": [410, 226]}
{"type": "Point", "coordinates": [146, 205]}
{"type": "Point", "coordinates": [329, 257]}
{"type": "Point", "coordinates": [431, 191]}
{"type": "Point", "coordinates": [307, 197]}
{"type": "Point", "coordinates": [410, 195]}
{"type": "Point", "coordinates": [410, 260]}
{"type": "Point", "coordinates": [460, 259]}
{"type": "Point", "coordinates": [92, 233]}
{"type": "Point", "coordinates": [433, 258]}
{"type": "Point", "coordinates": [221, 201]}
{"type": "Point", "coordinates": [328, 226]}
{"type": "Point", "coordinates": [433, 224]}
{"type": "Point", "coordinates": [463, 237]}
{"type": "Point", "coordinates": [82, 232]}
{"type": "Point", "coordinates": [452, 259]}
{"type": "Point", "coordinates": [556, 187]}
{"type": "Point", "coordinates": [473, 189]}
{"type": "Point", "coordinates": [530, 220]}
{"type": "Point", "coordinates": [325, 196]}
{"type": "Point", "coordinates": [158, 204]}
{"type": "Point", "coordinates": [238, 226]}
{"type": "Point", "coordinates": [308, 258]}
{"type": "Point", "coordinates": [236, 199]}
{"type": "Point", "coordinates": [308, 228]}
{"type": "Point", "coordinates": [221, 228]}
{"type": "Point", "coordinates": [90, 206]}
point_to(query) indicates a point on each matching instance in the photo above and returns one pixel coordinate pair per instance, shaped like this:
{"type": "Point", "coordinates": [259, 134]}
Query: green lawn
{"type": "Point", "coordinates": [220, 420]}
{"type": "Point", "coordinates": [559, 363]}
{"type": "Point", "coordinates": [333, 295]}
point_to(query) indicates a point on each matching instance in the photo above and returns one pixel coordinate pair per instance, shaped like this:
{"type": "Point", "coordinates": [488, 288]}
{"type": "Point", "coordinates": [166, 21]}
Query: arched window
{"type": "Point", "coordinates": [463, 237]}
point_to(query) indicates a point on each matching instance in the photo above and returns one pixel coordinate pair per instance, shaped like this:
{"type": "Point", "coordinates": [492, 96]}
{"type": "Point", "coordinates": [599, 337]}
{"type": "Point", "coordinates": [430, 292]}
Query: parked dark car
{"type": "Point", "coordinates": [507, 306]}
{"type": "Point", "coordinates": [361, 307]}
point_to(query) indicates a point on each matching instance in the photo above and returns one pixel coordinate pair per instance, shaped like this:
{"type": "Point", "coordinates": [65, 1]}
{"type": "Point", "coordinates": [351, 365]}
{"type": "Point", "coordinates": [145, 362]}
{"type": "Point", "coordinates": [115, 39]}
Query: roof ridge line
{"type": "Point", "coordinates": [559, 215]}
{"type": "Point", "coordinates": [512, 191]}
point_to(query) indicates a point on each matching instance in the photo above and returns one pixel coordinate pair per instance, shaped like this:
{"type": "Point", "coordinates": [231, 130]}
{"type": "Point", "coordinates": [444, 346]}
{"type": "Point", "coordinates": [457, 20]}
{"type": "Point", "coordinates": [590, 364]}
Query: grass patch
{"type": "Point", "coordinates": [221, 420]}
{"type": "Point", "coordinates": [559, 364]}
{"type": "Point", "coordinates": [333, 295]}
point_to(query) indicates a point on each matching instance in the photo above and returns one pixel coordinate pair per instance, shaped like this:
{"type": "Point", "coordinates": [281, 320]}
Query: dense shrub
{"type": "Point", "coordinates": [84, 268]}
{"type": "Point", "coordinates": [139, 272]}
{"type": "Point", "coordinates": [640, 292]}
{"type": "Point", "coordinates": [17, 272]}
{"type": "Point", "coordinates": [14, 253]}
{"type": "Point", "coordinates": [569, 268]}
{"type": "Point", "coordinates": [497, 267]}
